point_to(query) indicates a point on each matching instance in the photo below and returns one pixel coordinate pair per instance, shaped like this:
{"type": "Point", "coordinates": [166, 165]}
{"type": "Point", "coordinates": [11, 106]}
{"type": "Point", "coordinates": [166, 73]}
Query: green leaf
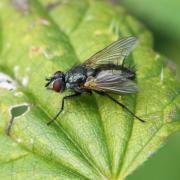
{"type": "Point", "coordinates": [93, 138]}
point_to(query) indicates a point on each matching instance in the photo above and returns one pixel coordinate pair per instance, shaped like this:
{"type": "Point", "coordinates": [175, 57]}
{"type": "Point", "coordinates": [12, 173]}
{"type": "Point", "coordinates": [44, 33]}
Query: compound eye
{"type": "Point", "coordinates": [57, 85]}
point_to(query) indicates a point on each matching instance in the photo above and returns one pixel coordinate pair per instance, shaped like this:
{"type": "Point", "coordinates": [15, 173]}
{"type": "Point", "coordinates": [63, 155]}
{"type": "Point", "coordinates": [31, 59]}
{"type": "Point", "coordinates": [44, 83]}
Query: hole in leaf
{"type": "Point", "coordinates": [16, 111]}
{"type": "Point", "coordinates": [6, 82]}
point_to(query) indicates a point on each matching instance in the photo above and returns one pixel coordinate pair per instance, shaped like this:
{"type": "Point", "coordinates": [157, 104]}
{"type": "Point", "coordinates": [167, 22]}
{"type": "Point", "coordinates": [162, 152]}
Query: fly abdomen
{"type": "Point", "coordinates": [128, 74]}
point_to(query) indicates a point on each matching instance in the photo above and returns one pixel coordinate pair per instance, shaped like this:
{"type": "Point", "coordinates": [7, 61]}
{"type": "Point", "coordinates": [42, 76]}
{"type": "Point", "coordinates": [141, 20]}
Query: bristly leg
{"type": "Point", "coordinates": [124, 107]}
{"type": "Point", "coordinates": [62, 106]}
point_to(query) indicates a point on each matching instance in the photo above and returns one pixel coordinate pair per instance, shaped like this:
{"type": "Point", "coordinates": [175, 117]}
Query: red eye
{"type": "Point", "coordinates": [57, 86]}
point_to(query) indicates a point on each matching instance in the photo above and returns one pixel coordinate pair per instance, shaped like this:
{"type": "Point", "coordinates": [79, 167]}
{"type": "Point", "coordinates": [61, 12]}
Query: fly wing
{"type": "Point", "coordinates": [111, 81]}
{"type": "Point", "coordinates": [112, 54]}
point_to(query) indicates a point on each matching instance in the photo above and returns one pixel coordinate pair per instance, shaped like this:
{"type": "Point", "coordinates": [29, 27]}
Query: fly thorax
{"type": "Point", "coordinates": [77, 77]}
{"type": "Point", "coordinates": [68, 85]}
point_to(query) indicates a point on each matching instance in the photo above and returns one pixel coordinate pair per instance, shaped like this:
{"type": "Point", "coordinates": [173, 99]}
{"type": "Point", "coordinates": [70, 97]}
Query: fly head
{"type": "Point", "coordinates": [56, 82]}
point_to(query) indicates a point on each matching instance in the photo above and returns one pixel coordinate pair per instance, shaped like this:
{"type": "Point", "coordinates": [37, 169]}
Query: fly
{"type": "Point", "coordinates": [101, 73]}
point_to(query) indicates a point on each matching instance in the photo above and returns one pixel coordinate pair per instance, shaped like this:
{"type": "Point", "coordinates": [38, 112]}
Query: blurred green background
{"type": "Point", "coordinates": [162, 17]}
{"type": "Point", "coordinates": [164, 165]}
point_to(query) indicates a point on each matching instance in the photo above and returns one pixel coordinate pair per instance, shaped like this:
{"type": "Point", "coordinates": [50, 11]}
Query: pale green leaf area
{"type": "Point", "coordinates": [94, 138]}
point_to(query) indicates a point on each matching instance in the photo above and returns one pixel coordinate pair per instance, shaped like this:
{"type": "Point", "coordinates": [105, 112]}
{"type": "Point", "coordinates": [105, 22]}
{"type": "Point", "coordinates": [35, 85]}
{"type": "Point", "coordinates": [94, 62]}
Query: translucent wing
{"type": "Point", "coordinates": [112, 54]}
{"type": "Point", "coordinates": [112, 82]}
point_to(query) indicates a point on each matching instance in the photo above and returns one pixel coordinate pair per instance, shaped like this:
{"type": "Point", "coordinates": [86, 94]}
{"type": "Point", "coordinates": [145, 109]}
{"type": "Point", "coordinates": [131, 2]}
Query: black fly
{"type": "Point", "coordinates": [101, 73]}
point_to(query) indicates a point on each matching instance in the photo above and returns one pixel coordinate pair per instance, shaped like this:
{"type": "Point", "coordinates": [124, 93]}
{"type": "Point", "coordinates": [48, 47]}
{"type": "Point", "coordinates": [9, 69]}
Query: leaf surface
{"type": "Point", "coordinates": [93, 138]}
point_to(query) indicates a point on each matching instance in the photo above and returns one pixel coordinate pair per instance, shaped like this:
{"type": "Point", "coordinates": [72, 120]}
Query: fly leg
{"type": "Point", "coordinates": [123, 106]}
{"type": "Point", "coordinates": [62, 105]}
